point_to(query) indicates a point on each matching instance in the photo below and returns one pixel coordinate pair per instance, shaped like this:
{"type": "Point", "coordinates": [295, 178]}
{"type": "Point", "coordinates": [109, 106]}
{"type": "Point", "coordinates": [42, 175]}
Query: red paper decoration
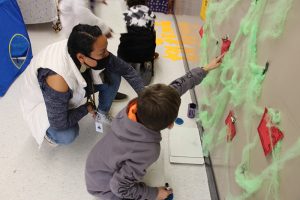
{"type": "Point", "coordinates": [230, 122]}
{"type": "Point", "coordinates": [225, 45]}
{"type": "Point", "coordinates": [267, 132]}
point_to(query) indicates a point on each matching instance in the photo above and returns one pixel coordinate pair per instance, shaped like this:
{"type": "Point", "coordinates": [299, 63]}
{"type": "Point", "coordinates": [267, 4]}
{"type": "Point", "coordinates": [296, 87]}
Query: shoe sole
{"type": "Point", "coordinates": [119, 100]}
{"type": "Point", "coordinates": [50, 142]}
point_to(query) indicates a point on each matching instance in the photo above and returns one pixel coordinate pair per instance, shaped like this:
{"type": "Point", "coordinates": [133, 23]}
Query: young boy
{"type": "Point", "coordinates": [118, 162]}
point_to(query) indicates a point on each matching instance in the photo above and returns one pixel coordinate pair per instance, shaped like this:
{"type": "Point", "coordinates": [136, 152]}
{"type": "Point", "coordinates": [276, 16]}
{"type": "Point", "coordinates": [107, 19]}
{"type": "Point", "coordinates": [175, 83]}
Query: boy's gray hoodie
{"type": "Point", "coordinates": [118, 162]}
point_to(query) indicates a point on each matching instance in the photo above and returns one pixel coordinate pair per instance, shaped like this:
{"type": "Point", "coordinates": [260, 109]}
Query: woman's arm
{"type": "Point", "coordinates": [56, 95]}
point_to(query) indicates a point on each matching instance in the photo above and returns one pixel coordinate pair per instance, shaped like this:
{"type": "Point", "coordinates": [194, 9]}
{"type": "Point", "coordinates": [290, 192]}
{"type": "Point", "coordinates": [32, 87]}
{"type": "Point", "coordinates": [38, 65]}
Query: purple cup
{"type": "Point", "coordinates": [192, 110]}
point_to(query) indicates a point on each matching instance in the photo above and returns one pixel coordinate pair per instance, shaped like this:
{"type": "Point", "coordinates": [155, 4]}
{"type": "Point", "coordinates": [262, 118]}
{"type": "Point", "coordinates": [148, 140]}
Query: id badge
{"type": "Point", "coordinates": [99, 127]}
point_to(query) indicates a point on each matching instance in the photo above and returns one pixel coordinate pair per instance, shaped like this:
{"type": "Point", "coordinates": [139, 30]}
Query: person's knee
{"type": "Point", "coordinates": [68, 136]}
{"type": "Point", "coordinates": [74, 132]}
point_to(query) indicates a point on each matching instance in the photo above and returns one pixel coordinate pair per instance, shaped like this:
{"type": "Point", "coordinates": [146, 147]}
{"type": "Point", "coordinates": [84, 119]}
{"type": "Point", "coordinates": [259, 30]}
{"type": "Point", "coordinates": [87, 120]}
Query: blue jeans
{"type": "Point", "coordinates": [107, 92]}
{"type": "Point", "coordinates": [66, 136]}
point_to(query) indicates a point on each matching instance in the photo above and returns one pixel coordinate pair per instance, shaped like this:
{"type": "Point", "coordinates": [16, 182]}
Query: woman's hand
{"type": "Point", "coordinates": [91, 110]}
{"type": "Point", "coordinates": [215, 63]}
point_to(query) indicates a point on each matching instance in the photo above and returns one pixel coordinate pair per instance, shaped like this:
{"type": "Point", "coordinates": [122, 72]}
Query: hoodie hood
{"type": "Point", "coordinates": [125, 128]}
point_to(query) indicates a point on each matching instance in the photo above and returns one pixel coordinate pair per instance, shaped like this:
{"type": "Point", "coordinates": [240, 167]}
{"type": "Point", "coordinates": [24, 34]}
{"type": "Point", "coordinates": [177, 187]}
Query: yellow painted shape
{"type": "Point", "coordinates": [173, 53]}
{"type": "Point", "coordinates": [203, 9]}
{"type": "Point", "coordinates": [159, 41]}
{"type": "Point", "coordinates": [168, 35]}
{"type": "Point", "coordinates": [166, 26]}
{"type": "Point", "coordinates": [171, 41]}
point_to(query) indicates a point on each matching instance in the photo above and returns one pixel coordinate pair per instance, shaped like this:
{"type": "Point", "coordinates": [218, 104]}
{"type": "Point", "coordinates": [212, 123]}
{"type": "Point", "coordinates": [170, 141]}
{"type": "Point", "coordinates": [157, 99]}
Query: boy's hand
{"type": "Point", "coordinates": [163, 193]}
{"type": "Point", "coordinates": [215, 63]}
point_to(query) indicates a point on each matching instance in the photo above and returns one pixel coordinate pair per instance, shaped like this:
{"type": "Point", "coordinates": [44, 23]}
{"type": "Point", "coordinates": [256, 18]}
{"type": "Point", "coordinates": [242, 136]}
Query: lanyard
{"type": "Point", "coordinates": [89, 99]}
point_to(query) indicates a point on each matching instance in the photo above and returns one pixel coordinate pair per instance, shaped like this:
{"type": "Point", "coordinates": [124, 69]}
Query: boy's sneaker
{"type": "Point", "coordinates": [120, 96]}
{"type": "Point", "coordinates": [104, 118]}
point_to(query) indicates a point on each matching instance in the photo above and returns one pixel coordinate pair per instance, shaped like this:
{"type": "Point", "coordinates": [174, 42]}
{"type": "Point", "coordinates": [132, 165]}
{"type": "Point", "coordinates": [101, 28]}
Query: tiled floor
{"type": "Point", "coordinates": [29, 173]}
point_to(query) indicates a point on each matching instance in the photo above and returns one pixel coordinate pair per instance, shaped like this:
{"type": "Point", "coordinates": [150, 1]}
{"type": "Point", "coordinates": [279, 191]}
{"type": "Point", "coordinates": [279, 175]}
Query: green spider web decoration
{"type": "Point", "coordinates": [238, 84]}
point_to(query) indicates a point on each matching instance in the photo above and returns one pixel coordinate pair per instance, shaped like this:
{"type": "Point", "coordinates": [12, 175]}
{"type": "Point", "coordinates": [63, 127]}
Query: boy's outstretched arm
{"type": "Point", "coordinates": [126, 182]}
{"type": "Point", "coordinates": [195, 76]}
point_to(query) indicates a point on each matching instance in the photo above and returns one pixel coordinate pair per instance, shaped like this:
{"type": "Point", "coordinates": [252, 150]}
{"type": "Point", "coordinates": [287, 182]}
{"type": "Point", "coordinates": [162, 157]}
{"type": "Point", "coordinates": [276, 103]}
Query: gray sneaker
{"type": "Point", "coordinates": [104, 118]}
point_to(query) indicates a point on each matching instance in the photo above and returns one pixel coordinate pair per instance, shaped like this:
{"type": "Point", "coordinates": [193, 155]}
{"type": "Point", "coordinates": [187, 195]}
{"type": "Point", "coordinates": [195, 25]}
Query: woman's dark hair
{"type": "Point", "coordinates": [81, 40]}
{"type": "Point", "coordinates": [131, 3]}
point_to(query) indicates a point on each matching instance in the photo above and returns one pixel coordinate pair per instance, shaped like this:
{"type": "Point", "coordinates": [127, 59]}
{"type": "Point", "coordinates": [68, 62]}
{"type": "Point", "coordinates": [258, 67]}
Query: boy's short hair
{"type": "Point", "coordinates": [131, 3]}
{"type": "Point", "coordinates": [157, 106]}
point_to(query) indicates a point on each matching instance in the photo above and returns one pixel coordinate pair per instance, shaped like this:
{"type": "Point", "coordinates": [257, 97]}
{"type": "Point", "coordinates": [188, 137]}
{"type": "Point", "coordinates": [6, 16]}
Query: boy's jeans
{"type": "Point", "coordinates": [107, 93]}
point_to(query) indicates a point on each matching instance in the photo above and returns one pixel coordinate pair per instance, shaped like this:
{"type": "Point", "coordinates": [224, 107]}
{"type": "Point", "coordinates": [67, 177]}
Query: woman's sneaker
{"type": "Point", "coordinates": [120, 96]}
{"type": "Point", "coordinates": [104, 119]}
{"type": "Point", "coordinates": [50, 142]}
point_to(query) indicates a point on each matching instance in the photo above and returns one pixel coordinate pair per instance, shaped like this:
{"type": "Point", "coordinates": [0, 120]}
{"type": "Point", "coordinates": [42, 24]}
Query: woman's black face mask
{"type": "Point", "coordinates": [102, 63]}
